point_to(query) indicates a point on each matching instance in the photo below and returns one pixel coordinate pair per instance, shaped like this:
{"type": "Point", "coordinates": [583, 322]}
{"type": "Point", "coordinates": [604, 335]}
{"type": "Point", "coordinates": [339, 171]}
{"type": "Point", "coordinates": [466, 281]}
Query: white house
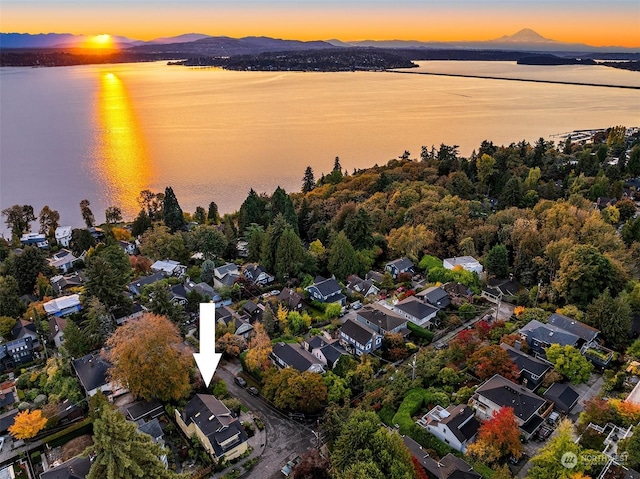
{"type": "Point", "coordinates": [63, 305]}
{"type": "Point", "coordinates": [168, 267]}
{"type": "Point", "coordinates": [63, 260]}
{"type": "Point", "coordinates": [468, 263]}
{"type": "Point", "coordinates": [456, 426]}
{"type": "Point", "coordinates": [63, 235]}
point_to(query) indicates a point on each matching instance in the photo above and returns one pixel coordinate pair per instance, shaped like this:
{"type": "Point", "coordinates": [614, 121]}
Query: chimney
{"type": "Point", "coordinates": [517, 345]}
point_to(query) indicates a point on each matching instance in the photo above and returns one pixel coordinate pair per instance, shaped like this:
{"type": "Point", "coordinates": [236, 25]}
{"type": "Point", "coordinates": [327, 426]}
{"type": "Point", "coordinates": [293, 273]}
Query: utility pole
{"type": "Point", "coordinates": [498, 308]}
{"type": "Point", "coordinates": [413, 368]}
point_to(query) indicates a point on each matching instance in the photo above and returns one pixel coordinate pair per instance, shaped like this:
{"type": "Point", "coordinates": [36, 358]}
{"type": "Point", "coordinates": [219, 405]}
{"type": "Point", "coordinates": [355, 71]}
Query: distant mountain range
{"type": "Point", "coordinates": [204, 45]}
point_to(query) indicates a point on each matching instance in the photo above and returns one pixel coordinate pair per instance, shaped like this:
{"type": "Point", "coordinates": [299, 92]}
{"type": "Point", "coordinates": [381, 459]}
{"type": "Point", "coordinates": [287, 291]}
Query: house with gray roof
{"type": "Point", "coordinates": [93, 372]}
{"type": "Point", "coordinates": [219, 432]}
{"type": "Point", "coordinates": [585, 332]}
{"type": "Point", "coordinates": [448, 467]}
{"type": "Point", "coordinates": [257, 274]}
{"type": "Point", "coordinates": [529, 409]}
{"type": "Point", "coordinates": [63, 260]}
{"type": "Point", "coordinates": [75, 468]}
{"type": "Point", "coordinates": [497, 289]}
{"type": "Point", "coordinates": [539, 336]}
{"type": "Point", "coordinates": [532, 370]}
{"type": "Point", "coordinates": [326, 291]}
{"type": "Point", "coordinates": [327, 350]}
{"type": "Point", "coordinates": [365, 287]}
{"type": "Point", "coordinates": [435, 296]}
{"type": "Point", "coordinates": [416, 311]}
{"type": "Point", "coordinates": [292, 300]}
{"type": "Point", "coordinates": [468, 263]}
{"type": "Point", "coordinates": [399, 266]}
{"type": "Point", "coordinates": [382, 320]}
{"type": "Point", "coordinates": [63, 283]}
{"type": "Point", "coordinates": [456, 426]}
{"type": "Point", "coordinates": [286, 355]}
{"type": "Point", "coordinates": [358, 338]}
{"type": "Point", "coordinates": [169, 267]}
{"type": "Point", "coordinates": [563, 396]}
{"type": "Point", "coordinates": [135, 287]}
{"type": "Point", "coordinates": [225, 275]}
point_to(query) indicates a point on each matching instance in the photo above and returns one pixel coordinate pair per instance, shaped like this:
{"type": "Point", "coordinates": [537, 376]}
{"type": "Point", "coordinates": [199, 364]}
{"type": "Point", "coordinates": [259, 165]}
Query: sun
{"type": "Point", "coordinates": [103, 41]}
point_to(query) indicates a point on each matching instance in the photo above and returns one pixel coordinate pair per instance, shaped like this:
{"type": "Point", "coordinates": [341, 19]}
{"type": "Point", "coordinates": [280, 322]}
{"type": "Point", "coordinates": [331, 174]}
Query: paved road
{"type": "Point", "coordinates": [284, 436]}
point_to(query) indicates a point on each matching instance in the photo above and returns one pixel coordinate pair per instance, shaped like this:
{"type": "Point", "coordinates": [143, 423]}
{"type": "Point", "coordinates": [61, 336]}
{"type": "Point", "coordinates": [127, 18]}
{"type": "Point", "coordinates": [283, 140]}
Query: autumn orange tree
{"type": "Point", "coordinates": [27, 424]}
{"type": "Point", "coordinates": [259, 350]}
{"type": "Point", "coordinates": [148, 358]}
{"type": "Point", "coordinates": [491, 360]}
{"type": "Point", "coordinates": [497, 438]}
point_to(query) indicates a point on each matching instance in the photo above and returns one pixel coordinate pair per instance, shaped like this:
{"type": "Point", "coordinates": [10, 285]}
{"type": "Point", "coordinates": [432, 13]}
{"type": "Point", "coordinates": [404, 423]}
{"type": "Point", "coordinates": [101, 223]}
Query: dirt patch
{"type": "Point", "coordinates": [76, 446]}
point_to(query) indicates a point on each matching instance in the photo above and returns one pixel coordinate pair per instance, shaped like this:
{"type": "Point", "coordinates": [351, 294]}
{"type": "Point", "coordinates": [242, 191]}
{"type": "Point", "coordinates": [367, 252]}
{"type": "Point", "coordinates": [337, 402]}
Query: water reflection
{"type": "Point", "coordinates": [123, 164]}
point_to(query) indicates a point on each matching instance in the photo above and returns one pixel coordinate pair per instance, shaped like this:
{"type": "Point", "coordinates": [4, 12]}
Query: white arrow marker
{"type": "Point", "coordinates": [207, 359]}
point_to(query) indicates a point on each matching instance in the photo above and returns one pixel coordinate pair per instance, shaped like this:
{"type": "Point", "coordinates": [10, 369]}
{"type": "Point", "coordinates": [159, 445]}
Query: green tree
{"type": "Point", "coordinates": [6, 325]}
{"type": "Point", "coordinates": [10, 303]}
{"type": "Point", "coordinates": [18, 219]}
{"type": "Point", "coordinates": [87, 214]}
{"type": "Point", "coordinates": [342, 257]}
{"type": "Point", "coordinates": [99, 324]}
{"type": "Point", "coordinates": [157, 298]}
{"type": "Point", "coordinates": [568, 361]}
{"type": "Point", "coordinates": [548, 464]}
{"type": "Point", "coordinates": [141, 224]}
{"type": "Point", "coordinates": [27, 267]}
{"type": "Point", "coordinates": [117, 258]}
{"type": "Point", "coordinates": [209, 241]}
{"type": "Point", "coordinates": [486, 168]}
{"type": "Point", "coordinates": [252, 210]}
{"type": "Point", "coordinates": [81, 241]}
{"type": "Point", "coordinates": [213, 216]}
{"type": "Point", "coordinates": [612, 316]}
{"type": "Point", "coordinates": [107, 284]}
{"type": "Point", "coordinates": [268, 321]}
{"type": "Point", "coordinates": [288, 389]}
{"type": "Point", "coordinates": [171, 211]}
{"type": "Point", "coordinates": [200, 215]}
{"type": "Point", "coordinates": [289, 255]}
{"type": "Point", "coordinates": [337, 387]}
{"type": "Point", "coordinates": [113, 215]}
{"type": "Point", "coordinates": [631, 446]}
{"type": "Point", "coordinates": [76, 342]}
{"type": "Point", "coordinates": [207, 271]}
{"type": "Point", "coordinates": [633, 165]}
{"type": "Point", "coordinates": [255, 235]}
{"type": "Point", "coordinates": [308, 180]}
{"type": "Point", "coordinates": [122, 452]}
{"type": "Point", "coordinates": [49, 220]}
{"type": "Point", "coordinates": [497, 261]}
{"type": "Point", "coordinates": [631, 231]}
{"type": "Point", "coordinates": [359, 229]}
{"type": "Point", "coordinates": [281, 204]}
{"type": "Point", "coordinates": [271, 241]}
{"type": "Point", "coordinates": [159, 243]}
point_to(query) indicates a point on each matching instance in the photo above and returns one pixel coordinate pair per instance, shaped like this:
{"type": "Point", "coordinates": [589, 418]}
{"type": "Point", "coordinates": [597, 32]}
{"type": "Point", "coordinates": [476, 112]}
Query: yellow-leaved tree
{"type": "Point", "coordinates": [259, 350]}
{"type": "Point", "coordinates": [27, 424]}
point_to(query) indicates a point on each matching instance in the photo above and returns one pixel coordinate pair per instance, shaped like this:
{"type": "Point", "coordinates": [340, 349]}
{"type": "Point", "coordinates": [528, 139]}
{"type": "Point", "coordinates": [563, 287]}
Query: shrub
{"type": "Point", "coordinates": [420, 333]}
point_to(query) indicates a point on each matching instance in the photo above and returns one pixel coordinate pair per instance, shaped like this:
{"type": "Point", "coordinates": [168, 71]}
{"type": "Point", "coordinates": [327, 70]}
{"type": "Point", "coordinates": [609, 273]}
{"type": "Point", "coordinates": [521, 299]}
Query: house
{"type": "Point", "coordinates": [169, 267]}
{"type": "Point", "coordinates": [7, 419]}
{"type": "Point", "coordinates": [365, 287]}
{"type": "Point", "coordinates": [96, 233]}
{"type": "Point", "coordinates": [129, 248]}
{"type": "Point", "coordinates": [374, 276]}
{"type": "Point", "coordinates": [399, 266]}
{"type": "Point", "coordinates": [293, 355]}
{"type": "Point", "coordinates": [416, 311]}
{"type": "Point", "coordinates": [449, 467]}
{"type": "Point", "coordinates": [468, 263]}
{"type": "Point", "coordinates": [435, 296]}
{"type": "Point", "coordinates": [539, 336]}
{"type": "Point", "coordinates": [34, 239]}
{"type": "Point", "coordinates": [137, 310]}
{"type": "Point", "coordinates": [143, 410]}
{"type": "Point", "coordinates": [328, 351]}
{"type": "Point", "coordinates": [221, 434]}
{"type": "Point", "coordinates": [24, 329]}
{"type": "Point", "coordinates": [63, 236]}
{"type": "Point", "coordinates": [257, 274]}
{"type": "Point", "coordinates": [92, 371]}
{"type": "Point", "coordinates": [498, 289]}
{"type": "Point", "coordinates": [358, 338]}
{"type": "Point", "coordinates": [242, 247]}
{"type": "Point", "coordinates": [563, 396]}
{"type": "Point", "coordinates": [75, 468]}
{"type": "Point", "coordinates": [135, 287]}
{"type": "Point", "coordinates": [64, 283]}
{"type": "Point", "coordinates": [586, 333]}
{"type": "Point", "coordinates": [326, 291]}
{"type": "Point", "coordinates": [254, 311]}
{"type": "Point", "coordinates": [8, 395]}
{"type": "Point", "coordinates": [456, 426]}
{"type": "Point", "coordinates": [206, 291]}
{"type": "Point", "coordinates": [63, 260]}
{"type": "Point", "coordinates": [225, 275]}
{"type": "Point", "coordinates": [292, 300]}
{"type": "Point", "coordinates": [178, 294]}
{"type": "Point", "coordinates": [458, 292]}
{"type": "Point", "coordinates": [68, 412]}
{"type": "Point", "coordinates": [231, 319]}
{"type": "Point", "coordinates": [529, 409]}
{"type": "Point", "coordinates": [153, 429]}
{"type": "Point", "coordinates": [16, 352]}
{"type": "Point", "coordinates": [56, 330]}
{"type": "Point", "coordinates": [63, 306]}
{"type": "Point", "coordinates": [532, 370]}
{"type": "Point", "coordinates": [382, 320]}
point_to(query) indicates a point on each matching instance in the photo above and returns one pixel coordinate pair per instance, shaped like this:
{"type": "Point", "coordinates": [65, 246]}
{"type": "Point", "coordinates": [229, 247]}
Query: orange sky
{"type": "Point", "coordinates": [598, 23]}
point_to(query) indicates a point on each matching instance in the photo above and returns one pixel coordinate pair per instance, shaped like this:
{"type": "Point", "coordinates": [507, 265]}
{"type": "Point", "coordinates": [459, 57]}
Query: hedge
{"type": "Point", "coordinates": [73, 431]}
{"type": "Point", "coordinates": [485, 471]}
{"type": "Point", "coordinates": [420, 332]}
{"type": "Point", "coordinates": [413, 401]}
{"type": "Point", "coordinates": [386, 414]}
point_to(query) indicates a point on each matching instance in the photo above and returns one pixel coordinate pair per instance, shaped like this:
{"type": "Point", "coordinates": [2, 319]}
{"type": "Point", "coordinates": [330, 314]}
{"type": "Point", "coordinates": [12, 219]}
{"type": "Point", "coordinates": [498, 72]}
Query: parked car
{"type": "Point", "coordinates": [287, 469]}
{"type": "Point", "coordinates": [544, 433]}
{"type": "Point", "coordinates": [240, 381]}
{"type": "Point", "coordinates": [253, 391]}
{"type": "Point", "coordinates": [298, 416]}
{"type": "Point", "coordinates": [356, 305]}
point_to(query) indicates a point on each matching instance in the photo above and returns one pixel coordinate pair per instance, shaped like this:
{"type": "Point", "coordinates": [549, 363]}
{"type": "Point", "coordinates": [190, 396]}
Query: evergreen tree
{"type": "Point", "coordinates": [304, 219]}
{"type": "Point", "coordinates": [171, 211]}
{"type": "Point", "coordinates": [255, 235]}
{"type": "Point", "coordinates": [87, 214]}
{"type": "Point", "coordinates": [100, 324]}
{"type": "Point", "coordinates": [289, 255]}
{"type": "Point", "coordinates": [336, 164]}
{"type": "Point", "coordinates": [281, 204]}
{"type": "Point", "coordinates": [342, 257]}
{"type": "Point", "coordinates": [27, 267]}
{"type": "Point", "coordinates": [76, 342]}
{"type": "Point", "coordinates": [308, 180]}
{"type": "Point", "coordinates": [252, 210]}
{"type": "Point", "coordinates": [268, 321]}
{"type": "Point", "coordinates": [141, 224]}
{"type": "Point", "coordinates": [497, 261]}
{"type": "Point", "coordinates": [359, 229]}
{"type": "Point", "coordinates": [206, 271]}
{"type": "Point", "coordinates": [612, 316]}
{"type": "Point", "coordinates": [213, 215]}
{"type": "Point", "coordinates": [231, 234]}
{"type": "Point", "coordinates": [10, 303]}
{"type": "Point", "coordinates": [107, 284]}
{"type": "Point", "coordinates": [122, 452]}
{"type": "Point", "coordinates": [200, 215]}
{"type": "Point", "coordinates": [271, 240]}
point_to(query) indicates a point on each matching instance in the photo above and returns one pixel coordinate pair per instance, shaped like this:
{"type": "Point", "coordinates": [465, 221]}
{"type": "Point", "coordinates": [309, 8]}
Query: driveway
{"type": "Point", "coordinates": [284, 436]}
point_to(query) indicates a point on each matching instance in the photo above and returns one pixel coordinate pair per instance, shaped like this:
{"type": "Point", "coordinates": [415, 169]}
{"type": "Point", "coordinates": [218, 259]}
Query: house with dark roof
{"type": "Point", "coordinates": [374, 276]}
{"type": "Point", "coordinates": [219, 432]}
{"type": "Point", "coordinates": [16, 352]}
{"type": "Point", "coordinates": [292, 300]}
{"type": "Point", "coordinates": [539, 336]}
{"type": "Point", "coordinates": [23, 329]}
{"type": "Point", "coordinates": [74, 468]}
{"type": "Point", "coordinates": [92, 371]}
{"type": "Point", "coordinates": [360, 339]}
{"type": "Point", "coordinates": [127, 247]}
{"type": "Point", "coordinates": [153, 429]}
{"type": "Point", "coordinates": [585, 332]}
{"type": "Point", "coordinates": [382, 320]}
{"type": "Point", "coordinates": [563, 396]}
{"type": "Point", "coordinates": [61, 284]}
{"type": "Point", "coordinates": [327, 350]}
{"type": "Point", "coordinates": [416, 311]}
{"type": "Point", "coordinates": [7, 419]}
{"type": "Point", "coordinates": [62, 260]}
{"type": "Point", "coordinates": [456, 426]}
{"type": "Point", "coordinates": [254, 311]}
{"type": "Point", "coordinates": [143, 410]}
{"type": "Point", "coordinates": [257, 274]}
{"type": "Point", "coordinates": [399, 266]}
{"type": "Point", "coordinates": [137, 310]}
{"type": "Point", "coordinates": [231, 319]}
{"type": "Point", "coordinates": [365, 287]}
{"type": "Point", "coordinates": [206, 291]}
{"type": "Point", "coordinates": [458, 291]}
{"type": "Point", "coordinates": [449, 467]}
{"type": "Point", "coordinates": [435, 296]}
{"type": "Point", "coordinates": [8, 396]}
{"type": "Point", "coordinates": [501, 289]}
{"type": "Point", "coordinates": [135, 287]}
{"type": "Point", "coordinates": [56, 330]}
{"type": "Point", "coordinates": [532, 370]}
{"type": "Point", "coordinates": [225, 275]}
{"type": "Point", "coordinates": [529, 409]}
{"type": "Point", "coordinates": [178, 294]}
{"type": "Point", "coordinates": [286, 355]}
{"type": "Point", "coordinates": [326, 291]}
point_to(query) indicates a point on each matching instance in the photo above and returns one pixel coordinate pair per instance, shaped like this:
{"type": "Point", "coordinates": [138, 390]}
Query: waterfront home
{"type": "Point", "coordinates": [63, 236]}
{"type": "Point", "coordinates": [34, 239]}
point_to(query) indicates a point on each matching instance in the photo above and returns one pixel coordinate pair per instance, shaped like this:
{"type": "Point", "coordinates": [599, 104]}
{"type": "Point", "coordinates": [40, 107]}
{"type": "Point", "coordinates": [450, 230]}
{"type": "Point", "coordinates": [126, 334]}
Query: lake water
{"type": "Point", "coordinates": [105, 132]}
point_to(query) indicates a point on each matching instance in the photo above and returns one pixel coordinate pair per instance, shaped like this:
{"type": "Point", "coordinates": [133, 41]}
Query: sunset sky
{"type": "Point", "coordinates": [594, 22]}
